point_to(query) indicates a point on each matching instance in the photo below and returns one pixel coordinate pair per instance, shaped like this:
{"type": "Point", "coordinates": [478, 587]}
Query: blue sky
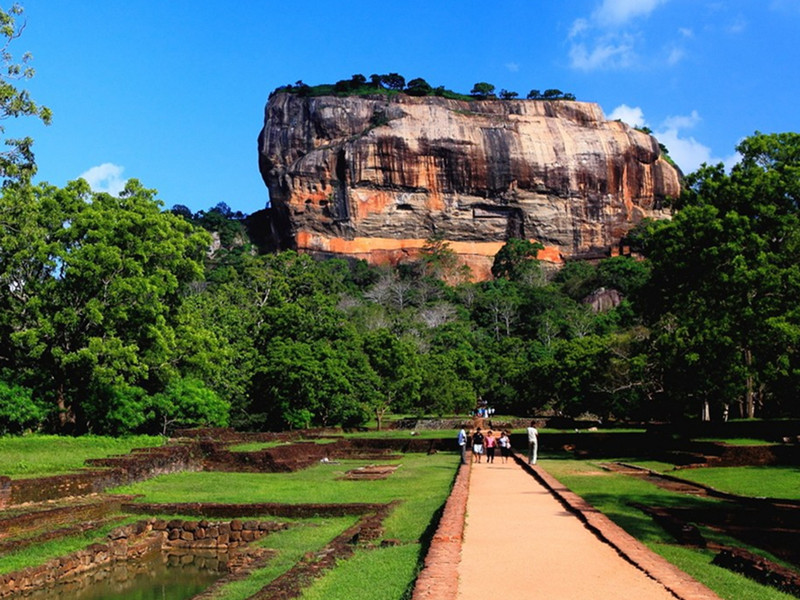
{"type": "Point", "coordinates": [173, 92]}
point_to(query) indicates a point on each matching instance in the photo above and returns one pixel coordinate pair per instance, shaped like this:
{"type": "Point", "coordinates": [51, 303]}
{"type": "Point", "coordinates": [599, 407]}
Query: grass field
{"type": "Point", "coordinates": [612, 494]}
{"type": "Point", "coordinates": [421, 482]}
{"type": "Point", "coordinates": [42, 455]}
{"type": "Point", "coordinates": [768, 482]}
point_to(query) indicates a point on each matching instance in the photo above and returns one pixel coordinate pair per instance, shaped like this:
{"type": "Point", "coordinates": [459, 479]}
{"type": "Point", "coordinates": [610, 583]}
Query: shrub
{"type": "Point", "coordinates": [18, 409]}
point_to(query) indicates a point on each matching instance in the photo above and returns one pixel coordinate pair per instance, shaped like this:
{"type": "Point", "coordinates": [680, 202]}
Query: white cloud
{"type": "Point", "coordinates": [578, 27]}
{"type": "Point", "coordinates": [633, 116]}
{"type": "Point", "coordinates": [687, 152]}
{"type": "Point", "coordinates": [607, 39]}
{"type": "Point", "coordinates": [512, 66]}
{"type": "Point", "coordinates": [738, 26]}
{"type": "Point", "coordinates": [684, 149]}
{"type": "Point", "coordinates": [105, 178]}
{"type": "Point", "coordinates": [619, 12]}
{"type": "Point", "coordinates": [606, 54]}
{"type": "Point", "coordinates": [675, 56]}
{"type": "Point", "coordinates": [682, 121]}
{"type": "Point", "coordinates": [686, 32]}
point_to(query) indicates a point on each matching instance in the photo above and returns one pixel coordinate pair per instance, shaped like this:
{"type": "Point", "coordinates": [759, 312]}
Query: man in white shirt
{"type": "Point", "coordinates": [462, 442]}
{"type": "Point", "coordinates": [533, 443]}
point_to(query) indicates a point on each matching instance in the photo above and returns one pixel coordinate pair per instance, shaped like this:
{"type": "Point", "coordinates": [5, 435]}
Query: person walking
{"type": "Point", "coordinates": [477, 445]}
{"type": "Point", "coordinates": [491, 444]}
{"type": "Point", "coordinates": [462, 442]}
{"type": "Point", "coordinates": [505, 446]}
{"type": "Point", "coordinates": [533, 443]}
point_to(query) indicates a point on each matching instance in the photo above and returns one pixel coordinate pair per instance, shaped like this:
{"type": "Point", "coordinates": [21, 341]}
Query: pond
{"type": "Point", "coordinates": [157, 577]}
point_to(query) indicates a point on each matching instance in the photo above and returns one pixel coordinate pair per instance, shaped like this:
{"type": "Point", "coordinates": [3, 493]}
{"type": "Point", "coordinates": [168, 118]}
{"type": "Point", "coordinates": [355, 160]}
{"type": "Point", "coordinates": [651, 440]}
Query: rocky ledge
{"type": "Point", "coordinates": [374, 177]}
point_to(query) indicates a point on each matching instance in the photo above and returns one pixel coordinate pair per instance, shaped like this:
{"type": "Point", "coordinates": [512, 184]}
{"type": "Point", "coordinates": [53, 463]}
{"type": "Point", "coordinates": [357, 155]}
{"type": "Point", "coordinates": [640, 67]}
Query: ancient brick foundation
{"type": "Point", "coordinates": [132, 543]}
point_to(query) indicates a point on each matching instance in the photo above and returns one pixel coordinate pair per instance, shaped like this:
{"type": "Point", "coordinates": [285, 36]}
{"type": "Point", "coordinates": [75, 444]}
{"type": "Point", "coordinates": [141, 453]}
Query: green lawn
{"type": "Point", "coordinates": [42, 455]}
{"type": "Point", "coordinates": [770, 482]}
{"type": "Point", "coordinates": [304, 536]}
{"type": "Point", "coordinates": [421, 482]}
{"type": "Point", "coordinates": [736, 441]}
{"type": "Point", "coordinates": [611, 493]}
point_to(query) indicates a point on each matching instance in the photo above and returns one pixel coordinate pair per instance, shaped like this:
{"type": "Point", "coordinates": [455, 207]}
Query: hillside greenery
{"type": "Point", "coordinates": [115, 318]}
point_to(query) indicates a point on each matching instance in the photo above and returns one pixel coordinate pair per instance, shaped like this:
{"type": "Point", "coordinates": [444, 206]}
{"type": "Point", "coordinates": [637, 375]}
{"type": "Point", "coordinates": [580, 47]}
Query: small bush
{"type": "Point", "coordinates": [19, 411]}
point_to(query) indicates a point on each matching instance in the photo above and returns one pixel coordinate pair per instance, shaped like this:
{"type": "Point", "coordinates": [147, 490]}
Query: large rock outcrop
{"type": "Point", "coordinates": [375, 177]}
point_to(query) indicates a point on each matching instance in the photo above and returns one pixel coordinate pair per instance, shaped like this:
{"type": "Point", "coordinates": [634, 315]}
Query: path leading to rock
{"type": "Point", "coordinates": [521, 543]}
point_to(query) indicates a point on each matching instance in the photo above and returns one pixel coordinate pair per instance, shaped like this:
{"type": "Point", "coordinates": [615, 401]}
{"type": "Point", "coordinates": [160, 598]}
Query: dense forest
{"type": "Point", "coordinates": [119, 316]}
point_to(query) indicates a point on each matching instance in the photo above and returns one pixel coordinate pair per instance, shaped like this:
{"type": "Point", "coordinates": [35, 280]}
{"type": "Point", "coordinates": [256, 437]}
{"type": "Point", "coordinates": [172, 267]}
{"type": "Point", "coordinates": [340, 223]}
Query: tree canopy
{"type": "Point", "coordinates": [17, 163]}
{"type": "Point", "coordinates": [394, 83]}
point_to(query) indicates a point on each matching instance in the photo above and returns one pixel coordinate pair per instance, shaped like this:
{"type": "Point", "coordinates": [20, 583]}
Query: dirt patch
{"type": "Point", "coordinates": [371, 472]}
{"type": "Point", "coordinates": [759, 569]}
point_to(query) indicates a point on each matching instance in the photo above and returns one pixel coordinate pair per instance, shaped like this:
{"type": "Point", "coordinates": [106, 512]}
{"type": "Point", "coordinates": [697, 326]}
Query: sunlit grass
{"type": "Point", "coordinates": [308, 535]}
{"type": "Point", "coordinates": [376, 574]}
{"type": "Point", "coordinates": [42, 455]}
{"type": "Point", "coordinates": [421, 482]}
{"type": "Point", "coordinates": [771, 482]}
{"type": "Point", "coordinates": [736, 441]}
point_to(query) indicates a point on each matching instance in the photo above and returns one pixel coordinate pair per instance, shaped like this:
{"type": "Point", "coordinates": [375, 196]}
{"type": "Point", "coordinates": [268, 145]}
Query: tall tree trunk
{"type": "Point", "coordinates": [750, 394]}
{"type": "Point", "coordinates": [705, 411]}
{"type": "Point", "coordinates": [66, 416]}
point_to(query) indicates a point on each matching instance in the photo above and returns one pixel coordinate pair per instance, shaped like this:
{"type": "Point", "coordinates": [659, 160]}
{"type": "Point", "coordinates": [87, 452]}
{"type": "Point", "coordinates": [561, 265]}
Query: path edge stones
{"type": "Point", "coordinates": [438, 579]}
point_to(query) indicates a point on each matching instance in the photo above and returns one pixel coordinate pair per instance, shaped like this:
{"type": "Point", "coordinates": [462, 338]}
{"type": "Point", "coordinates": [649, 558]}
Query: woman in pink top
{"type": "Point", "coordinates": [491, 444]}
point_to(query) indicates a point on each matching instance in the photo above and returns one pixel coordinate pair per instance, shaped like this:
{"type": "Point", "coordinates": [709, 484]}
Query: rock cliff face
{"type": "Point", "coordinates": [374, 177]}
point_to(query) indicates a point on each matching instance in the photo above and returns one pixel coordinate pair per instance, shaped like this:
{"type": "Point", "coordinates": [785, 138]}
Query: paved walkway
{"type": "Point", "coordinates": [521, 543]}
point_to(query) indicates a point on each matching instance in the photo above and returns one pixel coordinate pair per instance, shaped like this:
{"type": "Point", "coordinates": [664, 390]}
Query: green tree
{"type": "Point", "coordinates": [393, 81]}
{"type": "Point", "coordinates": [577, 279]}
{"type": "Point", "coordinates": [623, 273]}
{"type": "Point", "coordinates": [515, 259]}
{"type": "Point", "coordinates": [418, 87]}
{"type": "Point", "coordinates": [443, 390]}
{"type": "Point", "coordinates": [396, 365]}
{"type": "Point", "coordinates": [17, 163]}
{"type": "Point", "coordinates": [441, 262]}
{"type": "Point", "coordinates": [189, 403]}
{"type": "Point", "coordinates": [482, 90]}
{"type": "Point", "coordinates": [91, 302]}
{"type": "Point", "coordinates": [19, 410]}
{"type": "Point", "coordinates": [722, 296]}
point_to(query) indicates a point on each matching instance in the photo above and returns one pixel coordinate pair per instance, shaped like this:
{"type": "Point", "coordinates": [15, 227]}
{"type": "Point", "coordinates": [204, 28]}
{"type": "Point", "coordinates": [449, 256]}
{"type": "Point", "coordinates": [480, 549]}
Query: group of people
{"type": "Point", "coordinates": [488, 443]}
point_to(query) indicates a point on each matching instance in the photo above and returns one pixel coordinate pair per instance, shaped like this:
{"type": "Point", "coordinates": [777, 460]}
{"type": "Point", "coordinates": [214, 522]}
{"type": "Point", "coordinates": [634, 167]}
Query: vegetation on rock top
{"type": "Point", "coordinates": [392, 83]}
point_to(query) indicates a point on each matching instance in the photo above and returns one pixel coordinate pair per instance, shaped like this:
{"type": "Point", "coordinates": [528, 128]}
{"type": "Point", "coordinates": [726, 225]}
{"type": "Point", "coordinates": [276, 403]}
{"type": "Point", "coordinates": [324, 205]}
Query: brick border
{"type": "Point", "coordinates": [680, 584]}
{"type": "Point", "coordinates": [438, 579]}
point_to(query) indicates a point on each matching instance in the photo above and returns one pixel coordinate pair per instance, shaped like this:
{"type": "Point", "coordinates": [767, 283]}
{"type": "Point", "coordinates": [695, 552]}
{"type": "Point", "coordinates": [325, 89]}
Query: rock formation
{"type": "Point", "coordinates": [374, 177]}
